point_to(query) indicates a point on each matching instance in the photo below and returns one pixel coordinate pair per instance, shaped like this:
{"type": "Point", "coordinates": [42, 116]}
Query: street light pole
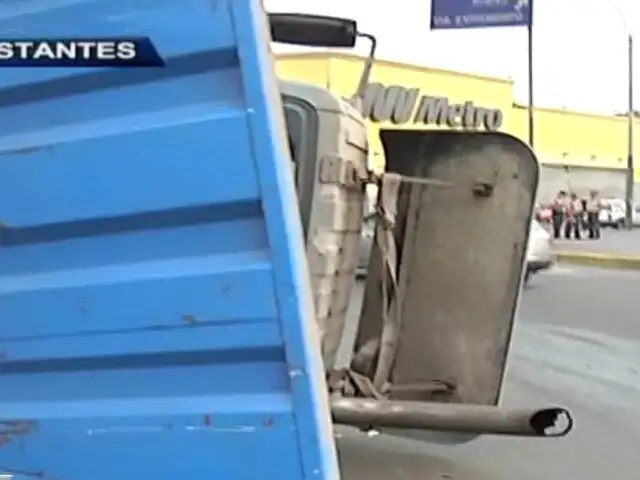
{"type": "Point", "coordinates": [530, 110]}
{"type": "Point", "coordinates": [630, 173]}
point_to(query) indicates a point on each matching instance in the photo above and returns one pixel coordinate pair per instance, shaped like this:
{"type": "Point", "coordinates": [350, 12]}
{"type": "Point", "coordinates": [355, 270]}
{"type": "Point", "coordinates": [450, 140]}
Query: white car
{"type": "Point", "coordinates": [613, 213]}
{"type": "Point", "coordinates": [539, 250]}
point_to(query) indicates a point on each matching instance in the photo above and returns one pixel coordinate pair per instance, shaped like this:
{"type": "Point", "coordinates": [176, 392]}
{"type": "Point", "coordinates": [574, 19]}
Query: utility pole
{"type": "Point", "coordinates": [531, 109]}
{"type": "Point", "coordinates": [630, 170]}
{"type": "Point", "coordinates": [630, 173]}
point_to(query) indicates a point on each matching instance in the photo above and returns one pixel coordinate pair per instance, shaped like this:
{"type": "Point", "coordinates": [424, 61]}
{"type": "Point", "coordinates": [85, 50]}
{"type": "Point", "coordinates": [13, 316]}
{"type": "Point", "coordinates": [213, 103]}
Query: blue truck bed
{"type": "Point", "coordinates": [156, 319]}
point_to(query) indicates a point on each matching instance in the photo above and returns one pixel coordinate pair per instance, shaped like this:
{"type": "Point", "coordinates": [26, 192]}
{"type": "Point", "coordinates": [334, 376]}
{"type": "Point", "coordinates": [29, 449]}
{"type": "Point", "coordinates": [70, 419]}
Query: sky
{"type": "Point", "coordinates": [580, 46]}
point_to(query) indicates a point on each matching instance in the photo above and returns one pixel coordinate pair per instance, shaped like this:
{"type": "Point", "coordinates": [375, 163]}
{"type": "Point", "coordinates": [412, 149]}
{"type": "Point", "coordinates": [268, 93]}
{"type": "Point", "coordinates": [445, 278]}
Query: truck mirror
{"type": "Point", "coordinates": [313, 30]}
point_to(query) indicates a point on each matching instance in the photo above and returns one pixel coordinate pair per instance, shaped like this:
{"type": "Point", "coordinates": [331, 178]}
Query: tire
{"type": "Point", "coordinates": [527, 276]}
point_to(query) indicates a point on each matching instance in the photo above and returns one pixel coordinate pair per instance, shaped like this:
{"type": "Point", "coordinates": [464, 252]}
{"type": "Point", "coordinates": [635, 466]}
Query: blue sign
{"type": "Point", "coordinates": [454, 14]}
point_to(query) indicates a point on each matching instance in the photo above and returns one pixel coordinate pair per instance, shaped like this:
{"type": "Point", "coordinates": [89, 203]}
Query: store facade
{"type": "Point", "coordinates": [577, 151]}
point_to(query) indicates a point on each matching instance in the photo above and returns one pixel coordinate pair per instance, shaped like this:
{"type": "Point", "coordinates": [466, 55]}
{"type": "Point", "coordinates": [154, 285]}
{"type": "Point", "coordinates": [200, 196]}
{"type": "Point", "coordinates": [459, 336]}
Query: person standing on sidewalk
{"type": "Point", "coordinates": [558, 211]}
{"type": "Point", "coordinates": [584, 221]}
{"type": "Point", "coordinates": [593, 214]}
{"type": "Point", "coordinates": [572, 223]}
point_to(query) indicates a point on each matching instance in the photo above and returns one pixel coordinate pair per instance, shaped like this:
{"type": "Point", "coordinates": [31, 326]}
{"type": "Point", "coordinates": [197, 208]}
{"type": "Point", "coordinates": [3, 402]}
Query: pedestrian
{"type": "Point", "coordinates": [558, 210]}
{"type": "Point", "coordinates": [593, 214]}
{"type": "Point", "coordinates": [572, 222]}
{"type": "Point", "coordinates": [584, 222]}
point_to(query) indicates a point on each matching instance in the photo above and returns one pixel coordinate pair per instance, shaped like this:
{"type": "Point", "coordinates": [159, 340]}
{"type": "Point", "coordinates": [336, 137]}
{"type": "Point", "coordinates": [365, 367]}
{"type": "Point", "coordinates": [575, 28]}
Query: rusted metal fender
{"type": "Point", "coordinates": [460, 259]}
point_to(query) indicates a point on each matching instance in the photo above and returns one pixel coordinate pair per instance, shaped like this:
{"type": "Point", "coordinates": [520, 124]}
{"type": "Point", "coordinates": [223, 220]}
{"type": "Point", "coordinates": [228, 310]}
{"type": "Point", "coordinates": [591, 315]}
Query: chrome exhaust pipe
{"type": "Point", "coordinates": [374, 414]}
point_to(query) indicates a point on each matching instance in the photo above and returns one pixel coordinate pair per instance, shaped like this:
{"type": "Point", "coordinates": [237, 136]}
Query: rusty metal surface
{"type": "Point", "coordinates": [466, 247]}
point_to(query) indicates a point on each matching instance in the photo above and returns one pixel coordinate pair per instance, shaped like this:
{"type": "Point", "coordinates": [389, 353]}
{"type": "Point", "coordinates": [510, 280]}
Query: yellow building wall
{"type": "Point", "coordinates": [562, 137]}
{"type": "Point", "coordinates": [312, 69]}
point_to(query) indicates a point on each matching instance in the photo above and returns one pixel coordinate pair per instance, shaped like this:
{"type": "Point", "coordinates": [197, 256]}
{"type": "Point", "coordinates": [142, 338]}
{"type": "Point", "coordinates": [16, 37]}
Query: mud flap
{"type": "Point", "coordinates": [461, 251]}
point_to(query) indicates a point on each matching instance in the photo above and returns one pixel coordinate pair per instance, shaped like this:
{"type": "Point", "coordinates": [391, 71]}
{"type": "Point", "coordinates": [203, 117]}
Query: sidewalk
{"type": "Point", "coordinates": [619, 242]}
{"type": "Point", "coordinates": [615, 249]}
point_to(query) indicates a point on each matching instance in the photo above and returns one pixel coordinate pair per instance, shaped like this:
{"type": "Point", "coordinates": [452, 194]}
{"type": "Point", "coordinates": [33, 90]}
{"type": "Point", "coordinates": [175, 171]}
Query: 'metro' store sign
{"type": "Point", "coordinates": [400, 105]}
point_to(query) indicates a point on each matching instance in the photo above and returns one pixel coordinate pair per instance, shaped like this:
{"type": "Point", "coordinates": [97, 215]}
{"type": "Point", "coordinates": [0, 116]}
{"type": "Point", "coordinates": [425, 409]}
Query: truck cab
{"type": "Point", "coordinates": [329, 149]}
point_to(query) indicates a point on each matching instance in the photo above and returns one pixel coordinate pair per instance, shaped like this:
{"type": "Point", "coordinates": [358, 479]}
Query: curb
{"type": "Point", "coordinates": [601, 260]}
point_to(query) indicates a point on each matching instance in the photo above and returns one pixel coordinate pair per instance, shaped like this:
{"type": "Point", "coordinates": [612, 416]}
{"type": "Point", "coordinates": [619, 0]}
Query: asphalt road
{"type": "Point", "coordinates": [577, 344]}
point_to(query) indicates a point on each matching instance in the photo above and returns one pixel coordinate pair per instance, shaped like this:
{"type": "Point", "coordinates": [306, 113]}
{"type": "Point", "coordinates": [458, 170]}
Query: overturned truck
{"type": "Point", "coordinates": [173, 294]}
{"type": "Point", "coordinates": [433, 337]}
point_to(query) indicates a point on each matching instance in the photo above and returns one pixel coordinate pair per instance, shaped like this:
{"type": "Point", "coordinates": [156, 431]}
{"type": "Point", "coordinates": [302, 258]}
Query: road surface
{"type": "Point", "coordinates": [577, 344]}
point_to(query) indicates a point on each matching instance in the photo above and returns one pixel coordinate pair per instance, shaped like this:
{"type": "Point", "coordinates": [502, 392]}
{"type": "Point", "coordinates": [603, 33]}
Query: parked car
{"type": "Point", "coordinates": [543, 213]}
{"type": "Point", "coordinates": [613, 213]}
{"type": "Point", "coordinates": [539, 250]}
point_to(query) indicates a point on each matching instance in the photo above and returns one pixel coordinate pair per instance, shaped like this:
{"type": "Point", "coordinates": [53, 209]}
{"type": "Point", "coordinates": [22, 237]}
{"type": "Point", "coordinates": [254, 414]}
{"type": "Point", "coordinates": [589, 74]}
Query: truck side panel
{"type": "Point", "coordinates": [155, 313]}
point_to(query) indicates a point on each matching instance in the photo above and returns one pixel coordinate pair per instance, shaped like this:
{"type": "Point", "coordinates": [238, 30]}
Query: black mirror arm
{"type": "Point", "coordinates": [368, 66]}
{"type": "Point", "coordinates": [365, 76]}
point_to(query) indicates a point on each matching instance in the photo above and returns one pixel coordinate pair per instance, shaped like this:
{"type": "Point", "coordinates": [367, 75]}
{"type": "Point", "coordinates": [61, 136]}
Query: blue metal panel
{"type": "Point", "coordinates": [155, 314]}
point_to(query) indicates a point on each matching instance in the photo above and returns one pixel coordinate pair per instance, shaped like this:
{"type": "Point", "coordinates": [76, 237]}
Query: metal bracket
{"type": "Point", "coordinates": [484, 188]}
{"type": "Point", "coordinates": [336, 170]}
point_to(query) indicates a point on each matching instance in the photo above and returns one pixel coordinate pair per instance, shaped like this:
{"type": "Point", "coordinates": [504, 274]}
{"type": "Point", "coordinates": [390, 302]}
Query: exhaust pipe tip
{"type": "Point", "coordinates": [551, 422]}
